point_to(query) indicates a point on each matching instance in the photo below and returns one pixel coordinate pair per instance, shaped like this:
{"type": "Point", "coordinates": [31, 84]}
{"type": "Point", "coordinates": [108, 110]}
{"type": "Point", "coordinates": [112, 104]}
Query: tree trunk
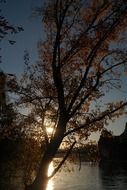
{"type": "Point", "coordinates": [41, 180]}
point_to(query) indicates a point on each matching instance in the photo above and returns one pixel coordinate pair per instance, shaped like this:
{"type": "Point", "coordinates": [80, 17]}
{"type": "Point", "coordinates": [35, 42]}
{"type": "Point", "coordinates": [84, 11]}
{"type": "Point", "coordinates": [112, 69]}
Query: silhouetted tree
{"type": "Point", "coordinates": [79, 63]}
{"type": "Point", "coordinates": [7, 111]}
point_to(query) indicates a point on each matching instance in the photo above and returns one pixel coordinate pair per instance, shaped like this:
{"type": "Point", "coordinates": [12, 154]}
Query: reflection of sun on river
{"type": "Point", "coordinates": [50, 185]}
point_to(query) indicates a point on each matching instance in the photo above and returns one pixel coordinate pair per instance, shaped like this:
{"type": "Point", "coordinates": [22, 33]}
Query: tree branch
{"type": "Point", "coordinates": [115, 65]}
{"type": "Point", "coordinates": [62, 162]}
{"type": "Point", "coordinates": [94, 120]}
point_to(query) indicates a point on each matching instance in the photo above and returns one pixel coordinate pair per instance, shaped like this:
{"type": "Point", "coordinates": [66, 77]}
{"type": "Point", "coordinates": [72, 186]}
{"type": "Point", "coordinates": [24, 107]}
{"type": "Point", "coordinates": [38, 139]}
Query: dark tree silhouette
{"type": "Point", "coordinates": [78, 65]}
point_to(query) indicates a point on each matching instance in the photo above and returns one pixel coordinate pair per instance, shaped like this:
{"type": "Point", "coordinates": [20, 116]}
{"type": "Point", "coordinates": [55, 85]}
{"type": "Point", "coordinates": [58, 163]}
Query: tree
{"type": "Point", "coordinates": [79, 63]}
{"type": "Point", "coordinates": [7, 111]}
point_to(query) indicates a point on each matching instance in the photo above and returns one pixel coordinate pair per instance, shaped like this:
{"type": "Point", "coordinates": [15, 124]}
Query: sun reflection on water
{"type": "Point", "coordinates": [50, 185]}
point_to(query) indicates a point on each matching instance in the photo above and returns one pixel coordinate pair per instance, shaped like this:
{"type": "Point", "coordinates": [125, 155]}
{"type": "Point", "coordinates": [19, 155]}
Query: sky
{"type": "Point", "coordinates": [19, 13]}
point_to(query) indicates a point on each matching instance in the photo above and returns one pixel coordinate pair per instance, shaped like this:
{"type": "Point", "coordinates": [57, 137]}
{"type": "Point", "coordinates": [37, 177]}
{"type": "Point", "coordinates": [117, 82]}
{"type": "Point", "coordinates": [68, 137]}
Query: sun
{"type": "Point", "coordinates": [49, 130]}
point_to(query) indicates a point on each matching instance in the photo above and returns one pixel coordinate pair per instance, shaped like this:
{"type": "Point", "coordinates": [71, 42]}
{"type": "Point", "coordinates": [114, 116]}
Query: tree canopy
{"type": "Point", "coordinates": [80, 62]}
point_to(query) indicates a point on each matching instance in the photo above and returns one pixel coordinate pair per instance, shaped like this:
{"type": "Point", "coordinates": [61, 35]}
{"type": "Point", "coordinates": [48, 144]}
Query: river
{"type": "Point", "coordinates": [91, 176]}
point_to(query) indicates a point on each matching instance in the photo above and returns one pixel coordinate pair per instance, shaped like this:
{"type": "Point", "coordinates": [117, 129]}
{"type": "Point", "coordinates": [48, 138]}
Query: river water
{"type": "Point", "coordinates": [109, 176]}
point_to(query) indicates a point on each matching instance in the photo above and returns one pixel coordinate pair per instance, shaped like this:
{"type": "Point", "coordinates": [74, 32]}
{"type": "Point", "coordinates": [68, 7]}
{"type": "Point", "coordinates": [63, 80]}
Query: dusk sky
{"type": "Point", "coordinates": [19, 13]}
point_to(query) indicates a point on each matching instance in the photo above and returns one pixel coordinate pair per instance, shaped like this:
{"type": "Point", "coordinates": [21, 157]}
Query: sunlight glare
{"type": "Point", "coordinates": [50, 185]}
{"type": "Point", "coordinates": [49, 130]}
{"type": "Point", "coordinates": [50, 169]}
{"type": "Point", "coordinates": [50, 182]}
